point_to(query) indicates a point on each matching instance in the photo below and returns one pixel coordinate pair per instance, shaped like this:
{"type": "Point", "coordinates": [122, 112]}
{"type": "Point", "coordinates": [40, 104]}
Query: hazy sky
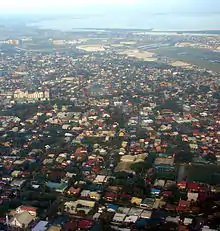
{"type": "Point", "coordinates": [62, 6]}
{"type": "Point", "coordinates": [21, 5]}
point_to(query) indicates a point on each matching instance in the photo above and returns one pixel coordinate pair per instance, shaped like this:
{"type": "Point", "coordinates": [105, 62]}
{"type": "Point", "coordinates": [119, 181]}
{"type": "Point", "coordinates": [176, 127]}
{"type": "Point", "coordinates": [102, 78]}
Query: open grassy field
{"type": "Point", "coordinates": [203, 173]}
{"type": "Point", "coordinates": [200, 57]}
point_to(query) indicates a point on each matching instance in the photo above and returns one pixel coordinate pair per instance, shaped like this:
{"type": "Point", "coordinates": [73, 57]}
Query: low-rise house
{"type": "Point", "coordinates": [85, 193]}
{"type": "Point", "coordinates": [110, 196]}
{"type": "Point", "coordinates": [206, 228]}
{"type": "Point", "coordinates": [182, 185]}
{"type": "Point", "coordinates": [80, 205]}
{"type": "Point", "coordinates": [167, 193]}
{"type": "Point", "coordinates": [95, 196]}
{"type": "Point", "coordinates": [40, 226]}
{"type": "Point", "coordinates": [192, 196]}
{"type": "Point", "coordinates": [155, 192]}
{"type": "Point", "coordinates": [123, 210]}
{"type": "Point", "coordinates": [54, 228]}
{"type": "Point", "coordinates": [125, 196]}
{"type": "Point", "coordinates": [128, 158]}
{"type": "Point", "coordinates": [187, 221]}
{"type": "Point", "coordinates": [158, 203]}
{"type": "Point", "coordinates": [147, 203]}
{"type": "Point", "coordinates": [202, 196]}
{"type": "Point", "coordinates": [164, 161]}
{"type": "Point", "coordinates": [119, 218]}
{"type": "Point", "coordinates": [159, 183]}
{"type": "Point", "coordinates": [135, 211]}
{"type": "Point", "coordinates": [112, 208]}
{"type": "Point", "coordinates": [100, 179]}
{"type": "Point", "coordinates": [124, 167]}
{"type": "Point", "coordinates": [18, 183]}
{"type": "Point", "coordinates": [131, 219]}
{"type": "Point", "coordinates": [22, 219]}
{"type": "Point", "coordinates": [173, 219]}
{"type": "Point", "coordinates": [96, 216]}
{"type": "Point", "coordinates": [73, 191]}
{"type": "Point", "coordinates": [136, 200]}
{"type": "Point", "coordinates": [85, 224]}
{"type": "Point", "coordinates": [183, 205]}
{"type": "Point", "coordinates": [23, 208]}
{"type": "Point", "coordinates": [58, 187]}
{"type": "Point", "coordinates": [16, 173]}
{"type": "Point", "coordinates": [146, 214]}
{"type": "Point", "coordinates": [70, 225]}
{"type": "Point", "coordinates": [194, 187]}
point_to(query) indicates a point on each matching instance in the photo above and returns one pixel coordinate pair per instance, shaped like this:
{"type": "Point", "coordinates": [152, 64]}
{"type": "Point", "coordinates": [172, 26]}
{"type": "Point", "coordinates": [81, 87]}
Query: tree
{"type": "Point", "coordinates": [175, 197]}
{"type": "Point", "coordinates": [204, 89]}
{"type": "Point", "coordinates": [183, 156]}
{"type": "Point", "coordinates": [170, 104]}
{"type": "Point", "coordinates": [211, 158]}
{"type": "Point", "coordinates": [216, 95]}
{"type": "Point", "coordinates": [169, 226]}
{"type": "Point", "coordinates": [140, 167]}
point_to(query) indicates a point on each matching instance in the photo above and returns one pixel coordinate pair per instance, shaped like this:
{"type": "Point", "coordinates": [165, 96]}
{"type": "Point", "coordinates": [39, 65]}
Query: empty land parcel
{"type": "Point", "coordinates": [200, 57]}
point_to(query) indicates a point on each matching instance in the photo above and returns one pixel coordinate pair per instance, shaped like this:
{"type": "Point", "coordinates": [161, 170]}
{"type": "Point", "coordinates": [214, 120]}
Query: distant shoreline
{"type": "Point", "coordinates": [153, 30]}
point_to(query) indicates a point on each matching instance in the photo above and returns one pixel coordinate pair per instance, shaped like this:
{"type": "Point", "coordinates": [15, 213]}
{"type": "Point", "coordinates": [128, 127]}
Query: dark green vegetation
{"type": "Point", "coordinates": [203, 173]}
{"type": "Point", "coordinates": [200, 57]}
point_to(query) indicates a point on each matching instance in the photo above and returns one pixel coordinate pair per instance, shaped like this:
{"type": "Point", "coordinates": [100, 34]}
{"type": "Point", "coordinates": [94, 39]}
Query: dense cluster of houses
{"type": "Point", "coordinates": [121, 145]}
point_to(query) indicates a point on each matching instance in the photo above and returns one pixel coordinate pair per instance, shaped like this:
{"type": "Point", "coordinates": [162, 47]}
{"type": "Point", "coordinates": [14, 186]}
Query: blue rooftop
{"type": "Point", "coordinates": [154, 190]}
{"type": "Point", "coordinates": [113, 207]}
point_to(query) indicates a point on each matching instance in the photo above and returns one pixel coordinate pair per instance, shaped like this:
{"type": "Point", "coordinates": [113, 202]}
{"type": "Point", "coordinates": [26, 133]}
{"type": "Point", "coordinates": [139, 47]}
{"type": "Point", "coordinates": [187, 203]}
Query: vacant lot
{"type": "Point", "coordinates": [91, 48]}
{"type": "Point", "coordinates": [180, 64]}
{"type": "Point", "coordinates": [145, 55]}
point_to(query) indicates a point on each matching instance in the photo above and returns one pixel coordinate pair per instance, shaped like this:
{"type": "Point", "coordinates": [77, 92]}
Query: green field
{"type": "Point", "coordinates": [209, 174]}
{"type": "Point", "coordinates": [200, 57]}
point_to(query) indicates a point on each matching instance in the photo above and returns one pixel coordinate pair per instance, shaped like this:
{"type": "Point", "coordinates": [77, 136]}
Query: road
{"type": "Point", "coordinates": [181, 172]}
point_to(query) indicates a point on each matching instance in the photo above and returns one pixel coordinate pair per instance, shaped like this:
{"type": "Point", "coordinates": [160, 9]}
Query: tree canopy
{"type": "Point", "coordinates": [183, 156]}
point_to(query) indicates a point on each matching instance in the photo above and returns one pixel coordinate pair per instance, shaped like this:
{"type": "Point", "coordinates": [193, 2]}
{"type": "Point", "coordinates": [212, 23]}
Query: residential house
{"type": "Point", "coordinates": [40, 226]}
{"type": "Point", "coordinates": [58, 187]}
{"type": "Point", "coordinates": [118, 218]}
{"type": "Point", "coordinates": [22, 220]}
{"type": "Point", "coordinates": [135, 211]}
{"type": "Point", "coordinates": [80, 205]}
{"type": "Point", "coordinates": [183, 205]}
{"type": "Point", "coordinates": [110, 196]}
{"type": "Point", "coordinates": [136, 200]}
{"type": "Point", "coordinates": [95, 196]}
{"type": "Point", "coordinates": [194, 187]}
{"type": "Point", "coordinates": [23, 208]}
{"type": "Point", "coordinates": [74, 191]}
{"type": "Point", "coordinates": [182, 185]}
{"type": "Point", "coordinates": [146, 214]}
{"type": "Point", "coordinates": [147, 203]}
{"type": "Point", "coordinates": [192, 196]}
{"type": "Point", "coordinates": [18, 183]}
{"type": "Point", "coordinates": [155, 192]}
{"type": "Point", "coordinates": [131, 219]}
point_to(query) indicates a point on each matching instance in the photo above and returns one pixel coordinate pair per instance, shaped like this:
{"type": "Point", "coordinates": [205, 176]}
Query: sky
{"type": "Point", "coordinates": [159, 14]}
{"type": "Point", "coordinates": [22, 5]}
{"type": "Point", "coordinates": [66, 6]}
